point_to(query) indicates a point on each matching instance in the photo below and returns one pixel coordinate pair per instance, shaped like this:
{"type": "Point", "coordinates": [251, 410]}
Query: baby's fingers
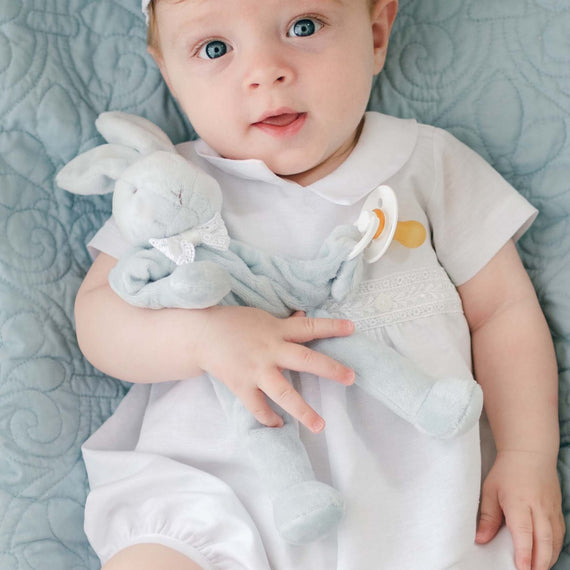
{"type": "Point", "coordinates": [282, 393]}
{"type": "Point", "coordinates": [490, 517]}
{"type": "Point", "coordinates": [519, 521]}
{"type": "Point", "coordinates": [543, 543]}
{"type": "Point", "coordinates": [256, 402]}
{"type": "Point", "coordinates": [559, 528]}
{"type": "Point", "coordinates": [302, 359]}
{"type": "Point", "coordinates": [304, 329]}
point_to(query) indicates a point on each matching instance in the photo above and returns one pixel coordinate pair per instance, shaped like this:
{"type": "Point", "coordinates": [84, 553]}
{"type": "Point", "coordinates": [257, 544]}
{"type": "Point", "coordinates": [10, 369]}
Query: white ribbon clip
{"type": "Point", "coordinates": [181, 248]}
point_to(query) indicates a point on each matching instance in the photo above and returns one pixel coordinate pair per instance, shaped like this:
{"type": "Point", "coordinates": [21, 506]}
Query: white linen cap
{"type": "Point", "coordinates": [144, 6]}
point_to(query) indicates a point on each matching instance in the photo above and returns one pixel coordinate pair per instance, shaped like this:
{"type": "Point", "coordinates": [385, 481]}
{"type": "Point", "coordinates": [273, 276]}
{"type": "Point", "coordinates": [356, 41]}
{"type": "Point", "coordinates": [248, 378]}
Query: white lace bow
{"type": "Point", "coordinates": [181, 248]}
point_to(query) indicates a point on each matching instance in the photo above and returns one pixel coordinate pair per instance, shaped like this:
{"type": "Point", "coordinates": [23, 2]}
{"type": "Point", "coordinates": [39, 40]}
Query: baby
{"type": "Point", "coordinates": [277, 92]}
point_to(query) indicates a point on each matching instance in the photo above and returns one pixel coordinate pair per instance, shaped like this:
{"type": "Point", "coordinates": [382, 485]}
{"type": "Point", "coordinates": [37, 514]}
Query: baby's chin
{"type": "Point", "coordinates": [303, 177]}
{"type": "Point", "coordinates": [311, 172]}
{"type": "Point", "coordinates": [295, 170]}
{"type": "Point", "coordinates": [300, 165]}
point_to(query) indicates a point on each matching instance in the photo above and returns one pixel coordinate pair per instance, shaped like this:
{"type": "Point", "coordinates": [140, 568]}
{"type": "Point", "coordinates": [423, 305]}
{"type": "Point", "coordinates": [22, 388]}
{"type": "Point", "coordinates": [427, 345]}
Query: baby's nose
{"type": "Point", "coordinates": [268, 70]}
{"type": "Point", "coordinates": [271, 79]}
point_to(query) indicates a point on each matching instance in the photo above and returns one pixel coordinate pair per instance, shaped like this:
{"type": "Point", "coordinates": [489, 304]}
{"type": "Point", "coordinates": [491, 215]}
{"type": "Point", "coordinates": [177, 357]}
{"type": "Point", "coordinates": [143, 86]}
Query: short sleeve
{"type": "Point", "coordinates": [473, 210]}
{"type": "Point", "coordinates": [108, 240]}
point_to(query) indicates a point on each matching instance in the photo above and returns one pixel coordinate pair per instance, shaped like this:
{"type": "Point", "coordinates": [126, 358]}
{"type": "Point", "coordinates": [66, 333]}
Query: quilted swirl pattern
{"type": "Point", "coordinates": [496, 74]}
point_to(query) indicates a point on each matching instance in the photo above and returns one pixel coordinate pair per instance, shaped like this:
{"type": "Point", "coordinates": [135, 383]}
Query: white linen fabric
{"type": "Point", "coordinates": [166, 468]}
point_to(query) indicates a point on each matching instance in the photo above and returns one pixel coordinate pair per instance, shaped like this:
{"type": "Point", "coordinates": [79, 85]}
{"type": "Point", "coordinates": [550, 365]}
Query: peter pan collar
{"type": "Point", "coordinates": [384, 147]}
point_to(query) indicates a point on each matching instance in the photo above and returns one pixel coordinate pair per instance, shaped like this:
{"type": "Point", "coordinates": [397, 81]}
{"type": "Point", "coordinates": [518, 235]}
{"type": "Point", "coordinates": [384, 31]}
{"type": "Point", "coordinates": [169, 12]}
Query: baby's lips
{"type": "Point", "coordinates": [283, 120]}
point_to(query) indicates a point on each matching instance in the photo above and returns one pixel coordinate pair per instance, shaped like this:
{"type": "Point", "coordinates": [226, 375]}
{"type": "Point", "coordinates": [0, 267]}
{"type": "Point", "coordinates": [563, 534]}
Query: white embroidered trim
{"type": "Point", "coordinates": [398, 298]}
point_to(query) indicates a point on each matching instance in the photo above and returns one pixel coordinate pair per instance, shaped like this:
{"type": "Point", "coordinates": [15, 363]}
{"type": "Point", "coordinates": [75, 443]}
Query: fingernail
{"type": "Point", "coordinates": [318, 426]}
{"type": "Point", "coordinates": [481, 536]}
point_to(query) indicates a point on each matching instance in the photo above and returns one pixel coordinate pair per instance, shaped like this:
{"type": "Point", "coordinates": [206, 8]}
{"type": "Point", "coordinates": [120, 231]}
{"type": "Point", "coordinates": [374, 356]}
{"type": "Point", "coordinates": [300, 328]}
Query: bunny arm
{"type": "Point", "coordinates": [307, 282]}
{"type": "Point", "coordinates": [280, 285]}
{"type": "Point", "coordinates": [144, 277]}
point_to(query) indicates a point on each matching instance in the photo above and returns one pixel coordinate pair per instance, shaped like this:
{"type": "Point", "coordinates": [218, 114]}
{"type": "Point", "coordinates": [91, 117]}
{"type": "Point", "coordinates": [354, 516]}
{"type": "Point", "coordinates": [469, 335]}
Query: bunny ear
{"type": "Point", "coordinates": [95, 171]}
{"type": "Point", "coordinates": [133, 131]}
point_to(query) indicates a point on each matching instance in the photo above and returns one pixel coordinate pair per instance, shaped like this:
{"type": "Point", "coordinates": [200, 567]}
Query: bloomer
{"type": "Point", "coordinates": [161, 501]}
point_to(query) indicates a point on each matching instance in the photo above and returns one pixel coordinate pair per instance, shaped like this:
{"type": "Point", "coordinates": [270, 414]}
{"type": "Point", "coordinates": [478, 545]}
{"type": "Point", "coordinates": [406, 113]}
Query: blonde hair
{"type": "Point", "coordinates": [152, 30]}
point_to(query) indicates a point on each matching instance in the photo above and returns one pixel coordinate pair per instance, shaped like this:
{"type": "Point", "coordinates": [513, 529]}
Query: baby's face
{"type": "Point", "coordinates": [284, 81]}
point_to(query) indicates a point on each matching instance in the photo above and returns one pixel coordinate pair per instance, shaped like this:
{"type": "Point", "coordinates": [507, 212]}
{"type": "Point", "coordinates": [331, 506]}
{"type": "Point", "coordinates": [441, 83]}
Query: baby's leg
{"type": "Point", "coordinates": [150, 557]}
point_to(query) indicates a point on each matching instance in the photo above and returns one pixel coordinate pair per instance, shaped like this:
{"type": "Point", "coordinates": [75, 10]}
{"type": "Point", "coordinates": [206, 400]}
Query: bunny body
{"type": "Point", "coordinates": [169, 210]}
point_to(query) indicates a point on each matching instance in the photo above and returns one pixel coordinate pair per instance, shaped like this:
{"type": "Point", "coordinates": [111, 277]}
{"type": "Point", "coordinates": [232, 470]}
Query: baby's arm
{"type": "Point", "coordinates": [244, 348]}
{"type": "Point", "coordinates": [515, 364]}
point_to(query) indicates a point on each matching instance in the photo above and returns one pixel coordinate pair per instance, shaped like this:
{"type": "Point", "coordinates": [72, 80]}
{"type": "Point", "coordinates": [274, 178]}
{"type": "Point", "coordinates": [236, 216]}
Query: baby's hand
{"type": "Point", "coordinates": [247, 349]}
{"type": "Point", "coordinates": [523, 488]}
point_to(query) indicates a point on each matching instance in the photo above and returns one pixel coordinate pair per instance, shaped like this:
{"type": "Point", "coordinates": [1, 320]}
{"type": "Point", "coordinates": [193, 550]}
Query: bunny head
{"type": "Point", "coordinates": [163, 195]}
{"type": "Point", "coordinates": [157, 193]}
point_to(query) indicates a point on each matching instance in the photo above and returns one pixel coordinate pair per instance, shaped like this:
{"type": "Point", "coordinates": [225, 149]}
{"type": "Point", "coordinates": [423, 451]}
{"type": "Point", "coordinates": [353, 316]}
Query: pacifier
{"type": "Point", "coordinates": [378, 223]}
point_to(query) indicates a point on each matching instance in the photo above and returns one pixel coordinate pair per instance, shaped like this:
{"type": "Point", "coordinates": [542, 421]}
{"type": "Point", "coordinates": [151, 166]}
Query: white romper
{"type": "Point", "coordinates": [165, 467]}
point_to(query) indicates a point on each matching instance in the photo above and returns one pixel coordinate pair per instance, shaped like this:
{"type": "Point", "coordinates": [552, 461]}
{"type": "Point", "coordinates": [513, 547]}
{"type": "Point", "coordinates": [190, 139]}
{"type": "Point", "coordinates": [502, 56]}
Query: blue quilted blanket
{"type": "Point", "coordinates": [496, 74]}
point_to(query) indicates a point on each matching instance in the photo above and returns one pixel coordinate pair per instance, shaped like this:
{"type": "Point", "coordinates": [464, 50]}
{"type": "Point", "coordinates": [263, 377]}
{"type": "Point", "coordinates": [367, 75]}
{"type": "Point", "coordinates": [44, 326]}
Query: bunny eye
{"type": "Point", "coordinates": [178, 196]}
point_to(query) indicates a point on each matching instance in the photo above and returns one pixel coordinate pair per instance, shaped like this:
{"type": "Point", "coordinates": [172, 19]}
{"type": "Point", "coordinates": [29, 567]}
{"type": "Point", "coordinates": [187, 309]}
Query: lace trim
{"type": "Point", "coordinates": [398, 298]}
{"type": "Point", "coordinates": [181, 249]}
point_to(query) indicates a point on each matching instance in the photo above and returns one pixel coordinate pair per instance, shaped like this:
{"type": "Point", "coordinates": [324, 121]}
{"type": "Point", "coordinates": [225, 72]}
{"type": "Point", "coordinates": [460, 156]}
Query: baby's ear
{"type": "Point", "coordinates": [383, 15]}
{"type": "Point", "coordinates": [95, 171]}
{"type": "Point", "coordinates": [134, 132]}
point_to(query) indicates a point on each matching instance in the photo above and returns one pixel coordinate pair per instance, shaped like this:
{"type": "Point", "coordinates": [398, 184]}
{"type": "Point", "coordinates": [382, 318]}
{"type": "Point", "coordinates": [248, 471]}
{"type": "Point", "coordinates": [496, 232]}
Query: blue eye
{"type": "Point", "coordinates": [304, 28]}
{"type": "Point", "coordinates": [213, 49]}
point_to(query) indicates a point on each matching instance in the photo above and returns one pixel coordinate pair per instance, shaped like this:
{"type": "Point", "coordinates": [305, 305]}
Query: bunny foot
{"type": "Point", "coordinates": [307, 511]}
{"type": "Point", "coordinates": [452, 407]}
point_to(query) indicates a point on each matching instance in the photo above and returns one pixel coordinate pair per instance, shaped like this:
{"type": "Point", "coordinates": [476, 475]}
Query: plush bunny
{"type": "Point", "coordinates": [182, 256]}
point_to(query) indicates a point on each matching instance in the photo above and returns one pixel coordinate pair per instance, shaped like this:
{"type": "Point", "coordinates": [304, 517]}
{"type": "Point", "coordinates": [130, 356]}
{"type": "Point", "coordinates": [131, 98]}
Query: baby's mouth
{"type": "Point", "coordinates": [281, 123]}
{"type": "Point", "coordinates": [282, 120]}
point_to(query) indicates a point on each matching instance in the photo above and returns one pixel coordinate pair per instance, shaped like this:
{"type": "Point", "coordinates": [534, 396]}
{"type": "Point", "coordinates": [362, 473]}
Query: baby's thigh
{"type": "Point", "coordinates": [150, 557]}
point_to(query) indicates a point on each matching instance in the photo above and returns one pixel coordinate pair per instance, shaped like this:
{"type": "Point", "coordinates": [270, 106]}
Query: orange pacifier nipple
{"type": "Point", "coordinates": [381, 222]}
{"type": "Point", "coordinates": [410, 233]}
